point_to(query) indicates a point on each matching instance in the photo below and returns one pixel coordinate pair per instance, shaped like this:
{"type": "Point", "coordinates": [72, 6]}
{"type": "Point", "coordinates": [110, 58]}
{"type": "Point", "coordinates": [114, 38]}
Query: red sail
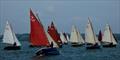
{"type": "Point", "coordinates": [54, 34]}
{"type": "Point", "coordinates": [37, 33]}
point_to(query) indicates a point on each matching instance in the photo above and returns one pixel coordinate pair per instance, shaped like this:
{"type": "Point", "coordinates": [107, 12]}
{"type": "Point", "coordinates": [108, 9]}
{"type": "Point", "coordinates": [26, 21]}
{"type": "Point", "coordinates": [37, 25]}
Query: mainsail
{"type": "Point", "coordinates": [63, 39]}
{"type": "Point", "coordinates": [68, 39]}
{"type": "Point", "coordinates": [9, 36]}
{"type": "Point", "coordinates": [108, 35]}
{"type": "Point", "coordinates": [75, 36]}
{"type": "Point", "coordinates": [80, 39]}
{"type": "Point", "coordinates": [37, 32]}
{"type": "Point", "coordinates": [90, 36]}
{"type": "Point", "coordinates": [50, 39]}
{"type": "Point", "coordinates": [54, 33]}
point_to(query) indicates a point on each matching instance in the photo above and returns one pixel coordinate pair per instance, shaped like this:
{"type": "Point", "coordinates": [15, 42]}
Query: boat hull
{"type": "Point", "coordinates": [76, 45]}
{"type": "Point", "coordinates": [95, 46]}
{"type": "Point", "coordinates": [12, 48]}
{"type": "Point", "coordinates": [34, 46]}
{"type": "Point", "coordinates": [60, 46]}
{"type": "Point", "coordinates": [47, 51]}
{"type": "Point", "coordinates": [107, 45]}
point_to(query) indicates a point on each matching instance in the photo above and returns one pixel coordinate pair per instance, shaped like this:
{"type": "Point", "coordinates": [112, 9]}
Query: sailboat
{"type": "Point", "coordinates": [63, 39]}
{"type": "Point", "coordinates": [54, 34]}
{"type": "Point", "coordinates": [90, 37]}
{"type": "Point", "coordinates": [37, 36]}
{"type": "Point", "coordinates": [108, 39]}
{"type": "Point", "coordinates": [75, 38]}
{"type": "Point", "coordinates": [10, 38]}
{"type": "Point", "coordinates": [52, 50]}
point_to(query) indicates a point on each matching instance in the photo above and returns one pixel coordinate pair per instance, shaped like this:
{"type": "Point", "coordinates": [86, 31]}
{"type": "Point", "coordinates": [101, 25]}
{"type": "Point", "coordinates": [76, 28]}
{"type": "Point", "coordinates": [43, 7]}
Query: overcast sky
{"type": "Point", "coordinates": [66, 14]}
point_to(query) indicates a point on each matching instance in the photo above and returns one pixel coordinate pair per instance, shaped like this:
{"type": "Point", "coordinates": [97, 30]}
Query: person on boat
{"type": "Point", "coordinates": [51, 45]}
{"type": "Point", "coordinates": [14, 44]}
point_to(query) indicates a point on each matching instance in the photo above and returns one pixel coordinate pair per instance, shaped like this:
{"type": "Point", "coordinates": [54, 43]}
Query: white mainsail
{"type": "Point", "coordinates": [108, 36]}
{"type": "Point", "coordinates": [80, 39]}
{"type": "Point", "coordinates": [50, 39]}
{"type": "Point", "coordinates": [68, 39]}
{"type": "Point", "coordinates": [9, 36]}
{"type": "Point", "coordinates": [75, 36]}
{"type": "Point", "coordinates": [62, 37]}
{"type": "Point", "coordinates": [90, 37]}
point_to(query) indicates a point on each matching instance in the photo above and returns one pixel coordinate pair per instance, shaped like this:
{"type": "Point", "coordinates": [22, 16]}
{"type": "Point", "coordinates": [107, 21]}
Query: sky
{"type": "Point", "coordinates": [64, 13]}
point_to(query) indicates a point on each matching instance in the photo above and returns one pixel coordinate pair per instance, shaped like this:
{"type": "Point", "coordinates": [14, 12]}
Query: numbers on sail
{"type": "Point", "coordinates": [33, 19]}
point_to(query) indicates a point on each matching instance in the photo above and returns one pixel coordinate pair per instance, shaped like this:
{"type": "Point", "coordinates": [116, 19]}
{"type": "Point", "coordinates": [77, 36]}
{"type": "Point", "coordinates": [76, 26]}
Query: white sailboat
{"type": "Point", "coordinates": [76, 38]}
{"type": "Point", "coordinates": [63, 39]}
{"type": "Point", "coordinates": [9, 37]}
{"type": "Point", "coordinates": [90, 37]}
{"type": "Point", "coordinates": [108, 39]}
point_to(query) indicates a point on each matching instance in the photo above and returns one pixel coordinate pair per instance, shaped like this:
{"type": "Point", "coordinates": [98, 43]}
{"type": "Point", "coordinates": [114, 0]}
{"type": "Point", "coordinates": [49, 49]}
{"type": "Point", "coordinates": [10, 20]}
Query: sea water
{"type": "Point", "coordinates": [66, 52]}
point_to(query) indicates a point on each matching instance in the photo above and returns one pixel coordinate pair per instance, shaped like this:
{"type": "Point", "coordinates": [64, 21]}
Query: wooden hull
{"type": "Point", "coordinates": [12, 48]}
{"type": "Point", "coordinates": [96, 46]}
{"type": "Point", "coordinates": [108, 45]}
{"type": "Point", "coordinates": [47, 51]}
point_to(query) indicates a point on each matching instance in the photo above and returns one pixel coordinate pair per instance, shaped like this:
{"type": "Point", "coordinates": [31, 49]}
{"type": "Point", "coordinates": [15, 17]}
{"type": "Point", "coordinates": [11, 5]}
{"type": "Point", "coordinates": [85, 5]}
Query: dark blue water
{"type": "Point", "coordinates": [66, 53]}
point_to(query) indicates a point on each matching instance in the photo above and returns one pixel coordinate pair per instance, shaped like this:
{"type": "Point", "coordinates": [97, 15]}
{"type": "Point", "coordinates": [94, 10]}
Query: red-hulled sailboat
{"type": "Point", "coordinates": [37, 37]}
{"type": "Point", "coordinates": [54, 34]}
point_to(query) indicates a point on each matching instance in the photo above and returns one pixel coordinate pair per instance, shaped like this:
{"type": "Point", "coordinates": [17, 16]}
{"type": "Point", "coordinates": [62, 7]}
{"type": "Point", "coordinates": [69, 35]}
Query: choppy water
{"type": "Point", "coordinates": [66, 53]}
